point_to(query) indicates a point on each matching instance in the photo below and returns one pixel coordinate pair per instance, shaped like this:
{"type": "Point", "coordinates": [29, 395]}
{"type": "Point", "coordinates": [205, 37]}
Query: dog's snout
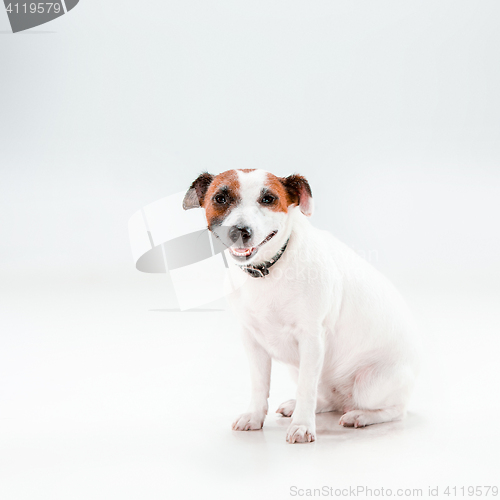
{"type": "Point", "coordinates": [240, 232]}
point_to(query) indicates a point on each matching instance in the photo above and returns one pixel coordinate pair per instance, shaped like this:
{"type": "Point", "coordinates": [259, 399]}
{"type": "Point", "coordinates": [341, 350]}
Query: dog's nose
{"type": "Point", "coordinates": [237, 232]}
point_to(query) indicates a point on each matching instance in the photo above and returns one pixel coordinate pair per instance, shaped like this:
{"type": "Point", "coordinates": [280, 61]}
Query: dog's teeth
{"type": "Point", "coordinates": [242, 253]}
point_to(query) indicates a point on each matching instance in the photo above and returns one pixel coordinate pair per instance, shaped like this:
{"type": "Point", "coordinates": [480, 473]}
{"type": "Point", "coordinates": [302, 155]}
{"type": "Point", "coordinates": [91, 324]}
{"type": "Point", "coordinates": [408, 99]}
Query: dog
{"type": "Point", "coordinates": [310, 302]}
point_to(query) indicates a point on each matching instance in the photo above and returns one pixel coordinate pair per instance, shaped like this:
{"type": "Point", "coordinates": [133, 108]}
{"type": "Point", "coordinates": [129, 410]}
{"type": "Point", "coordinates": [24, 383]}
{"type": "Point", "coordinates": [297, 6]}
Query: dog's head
{"type": "Point", "coordinates": [250, 210]}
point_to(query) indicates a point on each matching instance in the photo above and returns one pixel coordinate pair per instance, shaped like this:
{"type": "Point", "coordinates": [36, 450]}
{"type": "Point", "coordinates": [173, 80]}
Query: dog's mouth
{"type": "Point", "coordinates": [246, 253]}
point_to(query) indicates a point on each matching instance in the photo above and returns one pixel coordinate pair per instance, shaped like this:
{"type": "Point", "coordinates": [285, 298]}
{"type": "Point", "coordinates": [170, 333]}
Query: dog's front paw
{"type": "Point", "coordinates": [249, 422]}
{"type": "Point", "coordinates": [300, 433]}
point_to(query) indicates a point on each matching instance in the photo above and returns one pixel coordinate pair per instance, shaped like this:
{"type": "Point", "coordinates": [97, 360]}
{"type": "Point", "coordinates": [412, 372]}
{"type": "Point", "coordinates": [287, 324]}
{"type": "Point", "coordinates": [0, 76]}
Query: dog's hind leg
{"type": "Point", "coordinates": [362, 418]}
{"type": "Point", "coordinates": [286, 409]}
{"type": "Point", "coordinates": [324, 404]}
{"type": "Point", "coordinates": [379, 395]}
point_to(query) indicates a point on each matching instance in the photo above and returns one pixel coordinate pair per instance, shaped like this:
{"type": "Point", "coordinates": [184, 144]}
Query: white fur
{"type": "Point", "coordinates": [335, 320]}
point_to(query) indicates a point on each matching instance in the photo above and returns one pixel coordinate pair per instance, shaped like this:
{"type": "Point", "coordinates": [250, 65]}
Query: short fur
{"type": "Point", "coordinates": [340, 325]}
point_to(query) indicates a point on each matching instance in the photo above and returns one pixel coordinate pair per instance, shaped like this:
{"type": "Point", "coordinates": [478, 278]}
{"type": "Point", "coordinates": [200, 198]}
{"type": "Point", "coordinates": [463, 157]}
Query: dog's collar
{"type": "Point", "coordinates": [262, 270]}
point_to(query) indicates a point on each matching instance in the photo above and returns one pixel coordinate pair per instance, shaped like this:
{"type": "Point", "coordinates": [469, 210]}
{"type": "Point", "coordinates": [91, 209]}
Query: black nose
{"type": "Point", "coordinates": [237, 232]}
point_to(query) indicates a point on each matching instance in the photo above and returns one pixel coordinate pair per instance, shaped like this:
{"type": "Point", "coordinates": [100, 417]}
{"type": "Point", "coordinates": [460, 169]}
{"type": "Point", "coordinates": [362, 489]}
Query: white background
{"type": "Point", "coordinates": [390, 109]}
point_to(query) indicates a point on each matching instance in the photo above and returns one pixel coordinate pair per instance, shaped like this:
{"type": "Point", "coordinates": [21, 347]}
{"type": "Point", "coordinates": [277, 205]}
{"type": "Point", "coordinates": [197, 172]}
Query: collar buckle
{"type": "Point", "coordinates": [262, 270]}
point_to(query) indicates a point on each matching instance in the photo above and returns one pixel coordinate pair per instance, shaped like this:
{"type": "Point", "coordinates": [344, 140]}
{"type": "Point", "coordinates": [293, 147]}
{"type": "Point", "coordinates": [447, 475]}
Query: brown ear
{"type": "Point", "coordinates": [299, 193]}
{"type": "Point", "coordinates": [195, 195]}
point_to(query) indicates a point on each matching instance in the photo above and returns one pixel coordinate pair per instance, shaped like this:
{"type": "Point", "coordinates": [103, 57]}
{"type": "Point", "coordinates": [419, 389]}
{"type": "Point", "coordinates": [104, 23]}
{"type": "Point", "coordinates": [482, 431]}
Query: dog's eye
{"type": "Point", "coordinates": [220, 199]}
{"type": "Point", "coordinates": [267, 199]}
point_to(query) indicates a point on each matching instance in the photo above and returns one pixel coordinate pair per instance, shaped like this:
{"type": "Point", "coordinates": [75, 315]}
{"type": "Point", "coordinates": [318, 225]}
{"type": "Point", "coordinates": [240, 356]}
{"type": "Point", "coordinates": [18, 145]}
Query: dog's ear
{"type": "Point", "coordinates": [196, 193]}
{"type": "Point", "coordinates": [299, 193]}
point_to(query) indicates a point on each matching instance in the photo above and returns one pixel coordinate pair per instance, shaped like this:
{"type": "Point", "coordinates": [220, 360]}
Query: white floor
{"type": "Point", "coordinates": [100, 400]}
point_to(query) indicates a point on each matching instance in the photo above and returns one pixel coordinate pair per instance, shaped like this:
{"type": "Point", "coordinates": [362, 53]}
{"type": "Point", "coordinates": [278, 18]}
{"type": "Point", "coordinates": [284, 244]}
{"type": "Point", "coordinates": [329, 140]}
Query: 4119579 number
{"type": "Point", "coordinates": [471, 491]}
{"type": "Point", "coordinates": [33, 8]}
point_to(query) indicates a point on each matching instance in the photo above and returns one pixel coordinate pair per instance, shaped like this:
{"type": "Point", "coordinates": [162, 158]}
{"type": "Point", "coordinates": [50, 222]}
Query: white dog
{"type": "Point", "coordinates": [312, 303]}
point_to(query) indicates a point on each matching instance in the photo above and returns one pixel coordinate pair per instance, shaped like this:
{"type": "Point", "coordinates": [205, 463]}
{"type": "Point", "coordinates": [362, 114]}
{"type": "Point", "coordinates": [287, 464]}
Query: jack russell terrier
{"type": "Point", "coordinates": [311, 303]}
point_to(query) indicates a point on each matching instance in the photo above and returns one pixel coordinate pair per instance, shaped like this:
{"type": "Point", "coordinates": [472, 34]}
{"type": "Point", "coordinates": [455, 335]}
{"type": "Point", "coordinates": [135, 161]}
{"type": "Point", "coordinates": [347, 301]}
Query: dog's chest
{"type": "Point", "coordinates": [274, 325]}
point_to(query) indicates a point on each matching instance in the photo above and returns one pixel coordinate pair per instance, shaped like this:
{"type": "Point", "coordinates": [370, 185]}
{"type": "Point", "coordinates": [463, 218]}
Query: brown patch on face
{"type": "Point", "coordinates": [275, 189]}
{"type": "Point", "coordinates": [246, 170]}
{"type": "Point", "coordinates": [221, 197]}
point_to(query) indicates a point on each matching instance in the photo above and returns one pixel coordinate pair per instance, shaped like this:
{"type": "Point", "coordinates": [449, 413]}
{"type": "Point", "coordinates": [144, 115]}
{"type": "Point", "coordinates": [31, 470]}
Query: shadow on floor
{"type": "Point", "coordinates": [327, 426]}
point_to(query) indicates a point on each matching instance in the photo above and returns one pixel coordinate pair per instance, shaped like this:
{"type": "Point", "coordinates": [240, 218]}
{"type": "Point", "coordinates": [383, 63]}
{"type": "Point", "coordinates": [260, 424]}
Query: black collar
{"type": "Point", "coordinates": [262, 270]}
